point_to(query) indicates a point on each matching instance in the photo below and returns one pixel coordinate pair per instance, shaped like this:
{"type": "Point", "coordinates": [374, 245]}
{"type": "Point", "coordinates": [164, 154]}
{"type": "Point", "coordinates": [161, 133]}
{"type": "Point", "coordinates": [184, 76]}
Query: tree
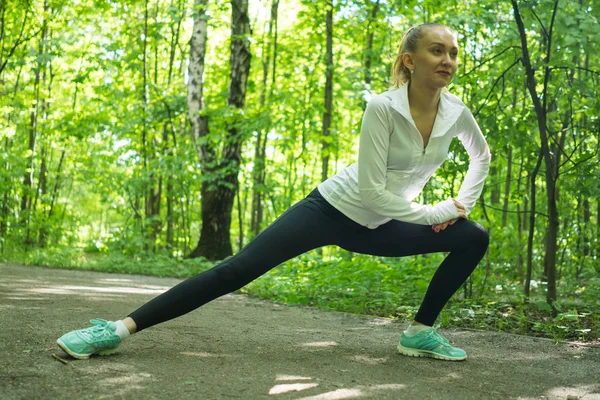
{"type": "Point", "coordinates": [217, 198]}
{"type": "Point", "coordinates": [259, 169]}
{"type": "Point", "coordinates": [327, 138]}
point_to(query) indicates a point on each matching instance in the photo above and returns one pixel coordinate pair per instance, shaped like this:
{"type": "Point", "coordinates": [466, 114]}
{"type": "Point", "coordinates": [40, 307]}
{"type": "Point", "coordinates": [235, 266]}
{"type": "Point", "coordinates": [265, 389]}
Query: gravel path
{"type": "Point", "coordinates": [237, 347]}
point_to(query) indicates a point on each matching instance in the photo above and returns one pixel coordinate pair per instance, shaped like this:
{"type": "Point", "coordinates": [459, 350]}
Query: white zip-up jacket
{"type": "Point", "coordinates": [393, 165]}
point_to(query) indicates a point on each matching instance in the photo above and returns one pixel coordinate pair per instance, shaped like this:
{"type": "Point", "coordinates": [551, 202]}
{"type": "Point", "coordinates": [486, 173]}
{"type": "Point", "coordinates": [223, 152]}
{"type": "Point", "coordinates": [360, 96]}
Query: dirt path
{"type": "Point", "coordinates": [237, 347]}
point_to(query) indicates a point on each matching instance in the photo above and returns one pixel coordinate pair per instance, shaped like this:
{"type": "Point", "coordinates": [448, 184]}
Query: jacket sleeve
{"type": "Point", "coordinates": [372, 170]}
{"type": "Point", "coordinates": [472, 139]}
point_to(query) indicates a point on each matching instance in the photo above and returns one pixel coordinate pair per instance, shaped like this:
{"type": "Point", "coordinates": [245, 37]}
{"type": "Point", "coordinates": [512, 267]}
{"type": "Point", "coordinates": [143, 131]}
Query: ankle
{"type": "Point", "coordinates": [415, 328]}
{"type": "Point", "coordinates": [130, 325]}
{"type": "Point", "coordinates": [121, 330]}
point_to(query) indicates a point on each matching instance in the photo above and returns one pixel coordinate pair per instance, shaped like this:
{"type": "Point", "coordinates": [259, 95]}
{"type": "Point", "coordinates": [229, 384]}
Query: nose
{"type": "Point", "coordinates": [447, 60]}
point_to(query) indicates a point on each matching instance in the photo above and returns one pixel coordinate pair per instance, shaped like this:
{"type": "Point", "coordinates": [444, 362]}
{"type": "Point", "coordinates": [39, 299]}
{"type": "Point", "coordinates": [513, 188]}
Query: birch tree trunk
{"type": "Point", "coordinates": [217, 202]}
{"type": "Point", "coordinates": [195, 100]}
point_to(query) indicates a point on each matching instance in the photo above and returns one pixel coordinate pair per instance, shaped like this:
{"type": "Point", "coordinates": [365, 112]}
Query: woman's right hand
{"type": "Point", "coordinates": [461, 209]}
{"type": "Point", "coordinates": [461, 213]}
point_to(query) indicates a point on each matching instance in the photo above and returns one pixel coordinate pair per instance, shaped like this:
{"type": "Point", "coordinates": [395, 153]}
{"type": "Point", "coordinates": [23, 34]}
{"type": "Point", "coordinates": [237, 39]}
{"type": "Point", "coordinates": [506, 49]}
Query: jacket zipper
{"type": "Point", "coordinates": [423, 147]}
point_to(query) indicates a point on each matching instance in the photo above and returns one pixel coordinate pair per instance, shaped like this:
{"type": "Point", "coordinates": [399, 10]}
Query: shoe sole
{"type": "Point", "coordinates": [81, 356]}
{"type": "Point", "coordinates": [426, 353]}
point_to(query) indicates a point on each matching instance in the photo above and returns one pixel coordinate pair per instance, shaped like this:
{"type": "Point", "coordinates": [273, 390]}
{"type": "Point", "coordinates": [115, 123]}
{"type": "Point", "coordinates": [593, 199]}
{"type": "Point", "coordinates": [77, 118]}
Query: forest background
{"type": "Point", "coordinates": [159, 137]}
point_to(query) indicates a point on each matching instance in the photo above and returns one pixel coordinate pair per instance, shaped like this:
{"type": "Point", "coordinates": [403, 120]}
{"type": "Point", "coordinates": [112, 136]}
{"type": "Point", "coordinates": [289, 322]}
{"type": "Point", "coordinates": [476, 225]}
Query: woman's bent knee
{"type": "Point", "coordinates": [474, 235]}
{"type": "Point", "coordinates": [479, 236]}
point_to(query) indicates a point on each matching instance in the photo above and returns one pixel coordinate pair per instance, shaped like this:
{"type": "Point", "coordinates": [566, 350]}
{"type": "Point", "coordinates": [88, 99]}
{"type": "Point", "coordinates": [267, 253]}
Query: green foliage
{"type": "Point", "coordinates": [111, 130]}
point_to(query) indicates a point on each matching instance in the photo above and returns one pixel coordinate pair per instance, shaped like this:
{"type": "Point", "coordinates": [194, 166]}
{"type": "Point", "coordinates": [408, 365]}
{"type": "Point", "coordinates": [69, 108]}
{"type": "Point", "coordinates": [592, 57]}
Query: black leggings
{"type": "Point", "coordinates": [312, 223]}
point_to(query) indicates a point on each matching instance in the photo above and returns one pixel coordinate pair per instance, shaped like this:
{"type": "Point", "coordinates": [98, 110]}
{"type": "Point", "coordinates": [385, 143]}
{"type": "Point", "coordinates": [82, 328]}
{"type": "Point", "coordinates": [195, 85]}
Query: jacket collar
{"type": "Point", "coordinates": [449, 110]}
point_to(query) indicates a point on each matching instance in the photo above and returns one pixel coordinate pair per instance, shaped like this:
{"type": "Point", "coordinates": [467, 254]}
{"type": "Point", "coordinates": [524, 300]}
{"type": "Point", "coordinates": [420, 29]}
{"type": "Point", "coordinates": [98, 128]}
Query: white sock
{"type": "Point", "coordinates": [414, 329]}
{"type": "Point", "coordinates": [122, 330]}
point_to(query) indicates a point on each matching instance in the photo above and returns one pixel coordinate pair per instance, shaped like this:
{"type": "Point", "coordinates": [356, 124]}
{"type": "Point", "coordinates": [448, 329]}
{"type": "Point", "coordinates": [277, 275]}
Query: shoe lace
{"type": "Point", "coordinates": [437, 337]}
{"type": "Point", "coordinates": [97, 331]}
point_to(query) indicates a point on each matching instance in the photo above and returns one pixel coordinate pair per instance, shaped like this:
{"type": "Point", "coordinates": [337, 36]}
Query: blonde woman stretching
{"type": "Point", "coordinates": [366, 208]}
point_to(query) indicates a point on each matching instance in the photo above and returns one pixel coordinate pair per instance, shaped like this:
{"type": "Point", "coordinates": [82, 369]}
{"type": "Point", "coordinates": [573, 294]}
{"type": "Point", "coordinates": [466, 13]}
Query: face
{"type": "Point", "coordinates": [436, 59]}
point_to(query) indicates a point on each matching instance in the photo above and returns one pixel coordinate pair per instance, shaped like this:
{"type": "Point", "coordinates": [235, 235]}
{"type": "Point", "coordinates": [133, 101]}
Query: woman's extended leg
{"type": "Point", "coordinates": [308, 224]}
{"type": "Point", "coordinates": [300, 229]}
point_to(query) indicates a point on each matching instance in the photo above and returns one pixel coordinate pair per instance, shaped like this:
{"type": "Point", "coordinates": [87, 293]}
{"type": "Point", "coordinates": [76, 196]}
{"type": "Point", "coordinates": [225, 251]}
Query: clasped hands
{"type": "Point", "coordinates": [461, 214]}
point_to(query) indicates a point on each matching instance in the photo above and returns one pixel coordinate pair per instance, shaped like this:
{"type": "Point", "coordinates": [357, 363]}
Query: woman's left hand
{"type": "Point", "coordinates": [441, 227]}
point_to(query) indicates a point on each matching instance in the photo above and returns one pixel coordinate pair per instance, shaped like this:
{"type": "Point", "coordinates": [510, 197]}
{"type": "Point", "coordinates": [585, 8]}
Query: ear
{"type": "Point", "coordinates": [408, 61]}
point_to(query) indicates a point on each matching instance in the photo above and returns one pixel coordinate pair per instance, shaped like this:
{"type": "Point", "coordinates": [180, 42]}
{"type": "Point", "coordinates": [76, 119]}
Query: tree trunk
{"type": "Point", "coordinates": [258, 171]}
{"type": "Point", "coordinates": [495, 197]}
{"type": "Point", "coordinates": [549, 160]}
{"type": "Point", "coordinates": [6, 196]}
{"type": "Point", "coordinates": [144, 98]}
{"type": "Point", "coordinates": [531, 225]}
{"type": "Point", "coordinates": [218, 197]}
{"type": "Point", "coordinates": [526, 199]}
{"type": "Point", "coordinates": [507, 185]}
{"type": "Point", "coordinates": [520, 219]}
{"type": "Point", "coordinates": [28, 177]}
{"type": "Point", "coordinates": [586, 224]}
{"type": "Point", "coordinates": [41, 184]}
{"type": "Point", "coordinates": [7, 185]}
{"type": "Point", "coordinates": [195, 100]}
{"type": "Point", "coordinates": [240, 219]}
{"type": "Point", "coordinates": [43, 231]}
{"type": "Point", "coordinates": [326, 143]}
{"type": "Point", "coordinates": [170, 151]}
{"type": "Point", "coordinates": [156, 167]}
{"type": "Point", "coordinates": [598, 232]}
{"type": "Point", "coordinates": [369, 47]}
{"type": "Point", "coordinates": [45, 224]}
{"type": "Point", "coordinates": [526, 206]}
{"type": "Point", "coordinates": [26, 209]}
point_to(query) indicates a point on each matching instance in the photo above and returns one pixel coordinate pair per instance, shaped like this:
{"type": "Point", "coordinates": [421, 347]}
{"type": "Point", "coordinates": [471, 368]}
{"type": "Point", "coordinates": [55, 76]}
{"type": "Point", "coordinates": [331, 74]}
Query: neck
{"type": "Point", "coordinates": [423, 99]}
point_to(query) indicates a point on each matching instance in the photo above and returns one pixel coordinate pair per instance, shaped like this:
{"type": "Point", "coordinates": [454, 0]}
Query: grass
{"type": "Point", "coordinates": [390, 287]}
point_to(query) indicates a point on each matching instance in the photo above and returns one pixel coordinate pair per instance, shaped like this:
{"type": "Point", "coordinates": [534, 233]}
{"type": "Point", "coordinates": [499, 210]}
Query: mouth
{"type": "Point", "coordinates": [443, 73]}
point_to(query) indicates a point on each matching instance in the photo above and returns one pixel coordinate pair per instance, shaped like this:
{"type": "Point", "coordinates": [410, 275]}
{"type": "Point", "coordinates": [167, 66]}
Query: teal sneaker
{"type": "Point", "coordinates": [99, 339]}
{"type": "Point", "coordinates": [429, 344]}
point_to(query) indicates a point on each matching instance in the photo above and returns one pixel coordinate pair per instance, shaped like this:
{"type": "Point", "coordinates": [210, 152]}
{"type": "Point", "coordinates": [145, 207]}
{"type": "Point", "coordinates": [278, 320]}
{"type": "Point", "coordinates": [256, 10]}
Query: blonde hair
{"type": "Point", "coordinates": [410, 39]}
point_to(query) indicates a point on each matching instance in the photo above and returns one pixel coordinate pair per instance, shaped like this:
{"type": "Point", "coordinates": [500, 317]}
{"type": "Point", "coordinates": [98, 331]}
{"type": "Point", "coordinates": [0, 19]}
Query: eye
{"type": "Point", "coordinates": [437, 51]}
{"type": "Point", "coordinates": [454, 55]}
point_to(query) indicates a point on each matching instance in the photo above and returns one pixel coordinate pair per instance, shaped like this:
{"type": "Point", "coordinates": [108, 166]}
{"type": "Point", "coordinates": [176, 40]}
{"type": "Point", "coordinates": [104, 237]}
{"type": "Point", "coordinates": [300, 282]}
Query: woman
{"type": "Point", "coordinates": [366, 208]}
